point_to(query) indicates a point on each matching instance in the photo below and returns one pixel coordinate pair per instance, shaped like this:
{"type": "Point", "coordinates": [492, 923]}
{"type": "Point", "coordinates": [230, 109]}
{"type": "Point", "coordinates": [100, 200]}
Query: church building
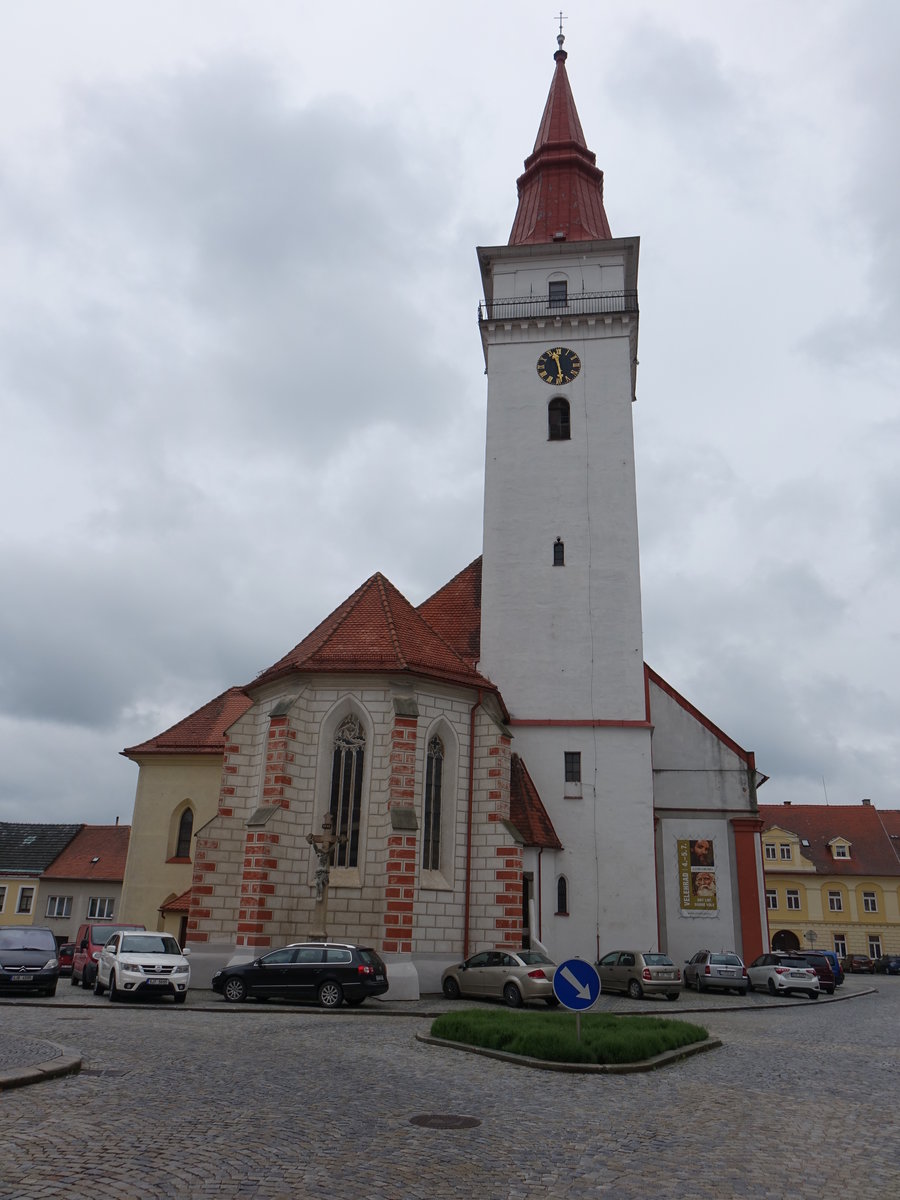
{"type": "Point", "coordinates": [499, 765]}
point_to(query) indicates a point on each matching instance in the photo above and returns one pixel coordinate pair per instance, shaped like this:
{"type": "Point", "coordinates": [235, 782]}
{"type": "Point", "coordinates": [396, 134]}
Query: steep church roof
{"type": "Point", "coordinates": [561, 189]}
{"type": "Point", "coordinates": [454, 612]}
{"type": "Point", "coordinates": [378, 630]}
{"type": "Point", "coordinates": [526, 809]}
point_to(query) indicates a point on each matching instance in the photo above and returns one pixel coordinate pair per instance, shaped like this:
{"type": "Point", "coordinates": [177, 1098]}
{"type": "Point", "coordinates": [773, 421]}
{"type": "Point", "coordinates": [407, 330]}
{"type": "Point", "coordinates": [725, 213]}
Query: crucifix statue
{"type": "Point", "coordinates": [323, 844]}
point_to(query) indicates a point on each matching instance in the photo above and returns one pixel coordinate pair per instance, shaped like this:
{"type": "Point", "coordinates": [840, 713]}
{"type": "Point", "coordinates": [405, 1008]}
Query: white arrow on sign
{"type": "Point", "coordinates": [581, 988]}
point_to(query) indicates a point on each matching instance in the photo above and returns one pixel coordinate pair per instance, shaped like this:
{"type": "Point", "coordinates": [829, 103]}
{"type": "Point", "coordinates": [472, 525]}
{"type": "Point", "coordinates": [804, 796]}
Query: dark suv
{"type": "Point", "coordinates": [822, 967]}
{"type": "Point", "coordinates": [28, 961]}
{"type": "Point", "coordinates": [326, 972]}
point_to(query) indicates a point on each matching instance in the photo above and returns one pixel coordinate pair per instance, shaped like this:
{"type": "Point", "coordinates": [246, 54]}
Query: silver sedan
{"type": "Point", "coordinates": [511, 976]}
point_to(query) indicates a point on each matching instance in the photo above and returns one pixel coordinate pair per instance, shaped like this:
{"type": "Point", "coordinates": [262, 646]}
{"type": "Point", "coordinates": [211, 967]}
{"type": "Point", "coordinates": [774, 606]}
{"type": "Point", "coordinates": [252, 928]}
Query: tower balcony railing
{"type": "Point", "coordinates": [576, 304]}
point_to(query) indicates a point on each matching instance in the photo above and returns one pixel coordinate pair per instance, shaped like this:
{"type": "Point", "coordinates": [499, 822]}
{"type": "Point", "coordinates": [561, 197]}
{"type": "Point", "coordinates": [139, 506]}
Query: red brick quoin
{"type": "Point", "coordinates": [254, 915]}
{"type": "Point", "coordinates": [399, 894]}
{"type": "Point", "coordinates": [508, 898]}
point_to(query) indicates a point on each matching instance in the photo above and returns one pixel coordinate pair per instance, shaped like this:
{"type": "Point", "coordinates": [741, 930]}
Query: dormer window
{"type": "Point", "coordinates": [784, 851]}
{"type": "Point", "coordinates": [840, 850]}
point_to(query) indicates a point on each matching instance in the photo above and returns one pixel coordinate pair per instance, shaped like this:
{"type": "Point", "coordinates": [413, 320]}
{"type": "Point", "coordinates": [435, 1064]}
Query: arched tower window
{"type": "Point", "coordinates": [431, 832]}
{"type": "Point", "coordinates": [346, 789]}
{"type": "Point", "coordinates": [185, 830]}
{"type": "Point", "coordinates": [559, 426]}
{"type": "Point", "coordinates": [562, 895]}
{"type": "Point", "coordinates": [559, 553]}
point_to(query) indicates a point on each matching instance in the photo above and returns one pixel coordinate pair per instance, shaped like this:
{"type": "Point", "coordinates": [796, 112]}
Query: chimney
{"type": "Point", "coordinates": [787, 804]}
{"type": "Point", "coordinates": [867, 801]}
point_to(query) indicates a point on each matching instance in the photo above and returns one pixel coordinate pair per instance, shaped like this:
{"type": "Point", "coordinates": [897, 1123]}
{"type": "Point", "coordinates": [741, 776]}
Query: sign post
{"type": "Point", "coordinates": [576, 986]}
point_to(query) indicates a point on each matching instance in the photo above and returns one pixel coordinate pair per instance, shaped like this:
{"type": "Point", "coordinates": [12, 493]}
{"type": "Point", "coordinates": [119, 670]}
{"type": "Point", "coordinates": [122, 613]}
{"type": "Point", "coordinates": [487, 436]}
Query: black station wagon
{"type": "Point", "coordinates": [327, 973]}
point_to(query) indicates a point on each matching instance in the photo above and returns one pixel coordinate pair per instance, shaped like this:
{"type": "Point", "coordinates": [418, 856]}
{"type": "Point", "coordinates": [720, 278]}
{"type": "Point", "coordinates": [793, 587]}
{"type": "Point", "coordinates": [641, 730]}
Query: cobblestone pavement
{"type": "Point", "coordinates": [278, 1103]}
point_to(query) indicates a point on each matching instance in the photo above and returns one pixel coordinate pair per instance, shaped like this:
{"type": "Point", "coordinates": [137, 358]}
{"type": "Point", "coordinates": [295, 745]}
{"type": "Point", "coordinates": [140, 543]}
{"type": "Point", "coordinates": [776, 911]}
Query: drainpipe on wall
{"type": "Point", "coordinates": [469, 810]}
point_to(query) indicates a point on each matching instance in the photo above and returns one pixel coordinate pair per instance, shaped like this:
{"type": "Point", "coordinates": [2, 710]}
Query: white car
{"type": "Point", "coordinates": [141, 963]}
{"type": "Point", "coordinates": [783, 973]}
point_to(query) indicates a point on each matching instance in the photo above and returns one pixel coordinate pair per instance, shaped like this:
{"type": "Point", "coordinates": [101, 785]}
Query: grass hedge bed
{"type": "Point", "coordinates": [605, 1038]}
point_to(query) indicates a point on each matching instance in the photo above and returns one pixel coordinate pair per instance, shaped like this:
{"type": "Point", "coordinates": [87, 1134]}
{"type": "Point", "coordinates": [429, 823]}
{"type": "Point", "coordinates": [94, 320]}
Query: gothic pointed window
{"type": "Point", "coordinates": [562, 896]}
{"type": "Point", "coordinates": [559, 553]}
{"type": "Point", "coordinates": [559, 426]}
{"type": "Point", "coordinates": [346, 789]}
{"type": "Point", "coordinates": [431, 832]}
{"type": "Point", "coordinates": [185, 830]}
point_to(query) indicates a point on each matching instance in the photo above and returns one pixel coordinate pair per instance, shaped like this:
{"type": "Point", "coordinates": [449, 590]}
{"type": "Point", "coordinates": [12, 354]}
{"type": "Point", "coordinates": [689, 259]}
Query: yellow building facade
{"type": "Point", "coordinates": [832, 879]}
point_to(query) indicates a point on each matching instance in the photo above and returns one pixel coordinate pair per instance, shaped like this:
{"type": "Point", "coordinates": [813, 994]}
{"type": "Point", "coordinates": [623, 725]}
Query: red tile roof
{"type": "Point", "coordinates": [378, 630]}
{"type": "Point", "coordinates": [871, 851]}
{"type": "Point", "coordinates": [454, 612]}
{"type": "Point", "coordinates": [97, 852]}
{"type": "Point", "coordinates": [561, 189]}
{"type": "Point", "coordinates": [203, 732]}
{"type": "Point", "coordinates": [526, 810]}
{"type": "Point", "coordinates": [178, 904]}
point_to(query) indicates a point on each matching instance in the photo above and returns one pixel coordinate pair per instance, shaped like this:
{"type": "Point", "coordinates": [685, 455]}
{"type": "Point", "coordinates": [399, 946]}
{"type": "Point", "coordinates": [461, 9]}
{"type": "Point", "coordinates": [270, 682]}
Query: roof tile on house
{"type": "Point", "coordinates": [454, 612]}
{"type": "Point", "coordinates": [96, 852]}
{"type": "Point", "coordinates": [203, 732]}
{"type": "Point", "coordinates": [178, 904]}
{"type": "Point", "coordinates": [871, 852]}
{"type": "Point", "coordinates": [27, 849]}
{"type": "Point", "coordinates": [526, 809]}
{"type": "Point", "coordinates": [376, 630]}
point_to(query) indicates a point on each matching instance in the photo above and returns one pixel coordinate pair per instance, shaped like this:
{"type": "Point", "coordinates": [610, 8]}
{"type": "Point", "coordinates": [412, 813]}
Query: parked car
{"type": "Point", "coordinates": [511, 976]}
{"type": "Point", "coordinates": [710, 969]}
{"type": "Point", "coordinates": [858, 964]}
{"type": "Point", "coordinates": [65, 954]}
{"type": "Point", "coordinates": [327, 972]}
{"type": "Point", "coordinates": [834, 962]}
{"type": "Point", "coordinates": [888, 964]}
{"type": "Point", "coordinates": [783, 974]}
{"type": "Point", "coordinates": [142, 963]}
{"type": "Point", "coordinates": [639, 973]}
{"type": "Point", "coordinates": [822, 967]}
{"type": "Point", "coordinates": [28, 960]}
{"type": "Point", "coordinates": [89, 941]}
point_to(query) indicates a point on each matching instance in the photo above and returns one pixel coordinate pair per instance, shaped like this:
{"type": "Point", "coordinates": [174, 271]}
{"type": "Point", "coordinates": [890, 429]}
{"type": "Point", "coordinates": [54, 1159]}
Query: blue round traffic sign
{"type": "Point", "coordinates": [576, 984]}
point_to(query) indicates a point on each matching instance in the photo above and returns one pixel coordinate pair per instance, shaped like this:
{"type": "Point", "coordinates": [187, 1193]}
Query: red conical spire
{"type": "Point", "coordinates": [561, 190]}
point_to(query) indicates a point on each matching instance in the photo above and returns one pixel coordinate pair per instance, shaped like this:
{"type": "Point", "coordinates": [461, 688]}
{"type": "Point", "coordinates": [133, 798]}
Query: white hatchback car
{"type": "Point", "coordinates": [782, 974]}
{"type": "Point", "coordinates": [141, 963]}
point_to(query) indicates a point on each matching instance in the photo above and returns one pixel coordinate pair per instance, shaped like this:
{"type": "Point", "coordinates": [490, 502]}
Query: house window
{"type": "Point", "coordinates": [59, 906]}
{"type": "Point", "coordinates": [185, 829]}
{"type": "Point", "coordinates": [559, 426]}
{"type": "Point", "coordinates": [101, 908]}
{"type": "Point", "coordinates": [771, 898]}
{"type": "Point", "coordinates": [784, 850]}
{"type": "Point", "coordinates": [835, 902]}
{"type": "Point", "coordinates": [431, 833]}
{"type": "Point", "coordinates": [870, 903]}
{"type": "Point", "coordinates": [874, 946]}
{"type": "Point", "coordinates": [558, 295]}
{"type": "Point", "coordinates": [346, 789]}
{"type": "Point", "coordinates": [562, 896]}
{"type": "Point", "coordinates": [573, 766]}
{"type": "Point", "coordinates": [840, 944]}
{"type": "Point", "coordinates": [841, 851]}
{"type": "Point", "coordinates": [26, 899]}
{"type": "Point", "coordinates": [559, 553]}
{"type": "Point", "coordinates": [770, 849]}
{"type": "Point", "coordinates": [2, 898]}
{"type": "Point", "coordinates": [793, 898]}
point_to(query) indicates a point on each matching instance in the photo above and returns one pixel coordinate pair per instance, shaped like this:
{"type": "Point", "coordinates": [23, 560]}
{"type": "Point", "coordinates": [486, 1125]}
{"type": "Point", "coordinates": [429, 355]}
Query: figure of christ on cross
{"type": "Point", "coordinates": [323, 844]}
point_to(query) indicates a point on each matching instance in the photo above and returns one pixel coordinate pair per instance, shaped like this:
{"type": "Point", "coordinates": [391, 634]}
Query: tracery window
{"type": "Point", "coordinates": [431, 831]}
{"type": "Point", "coordinates": [346, 789]}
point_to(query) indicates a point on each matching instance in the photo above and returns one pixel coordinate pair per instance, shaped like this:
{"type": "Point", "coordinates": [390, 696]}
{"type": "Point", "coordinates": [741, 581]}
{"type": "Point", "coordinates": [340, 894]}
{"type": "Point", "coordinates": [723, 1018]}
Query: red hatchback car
{"type": "Point", "coordinates": [65, 954]}
{"type": "Point", "coordinates": [858, 964]}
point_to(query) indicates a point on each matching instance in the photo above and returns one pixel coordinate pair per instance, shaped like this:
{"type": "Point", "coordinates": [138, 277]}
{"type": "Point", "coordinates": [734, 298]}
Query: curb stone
{"type": "Point", "coordinates": [540, 1064]}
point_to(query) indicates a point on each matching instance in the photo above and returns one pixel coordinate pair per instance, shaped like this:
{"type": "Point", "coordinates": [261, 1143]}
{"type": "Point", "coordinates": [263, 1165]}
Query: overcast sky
{"type": "Point", "coordinates": [240, 369]}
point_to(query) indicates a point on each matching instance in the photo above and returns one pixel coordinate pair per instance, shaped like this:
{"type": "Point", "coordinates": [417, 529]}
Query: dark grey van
{"type": "Point", "coordinates": [28, 961]}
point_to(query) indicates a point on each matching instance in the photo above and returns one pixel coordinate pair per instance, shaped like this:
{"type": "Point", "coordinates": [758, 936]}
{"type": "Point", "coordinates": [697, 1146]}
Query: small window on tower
{"type": "Point", "coordinates": [573, 766]}
{"type": "Point", "coordinates": [562, 896]}
{"type": "Point", "coordinates": [559, 553]}
{"type": "Point", "coordinates": [559, 293]}
{"type": "Point", "coordinates": [560, 429]}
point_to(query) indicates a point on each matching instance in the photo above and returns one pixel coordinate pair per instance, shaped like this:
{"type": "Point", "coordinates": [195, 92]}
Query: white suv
{"type": "Point", "coordinates": [141, 963]}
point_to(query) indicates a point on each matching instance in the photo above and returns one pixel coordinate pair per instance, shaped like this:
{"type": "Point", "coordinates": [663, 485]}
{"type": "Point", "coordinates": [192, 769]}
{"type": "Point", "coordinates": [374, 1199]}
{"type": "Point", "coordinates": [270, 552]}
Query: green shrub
{"type": "Point", "coordinates": [605, 1038]}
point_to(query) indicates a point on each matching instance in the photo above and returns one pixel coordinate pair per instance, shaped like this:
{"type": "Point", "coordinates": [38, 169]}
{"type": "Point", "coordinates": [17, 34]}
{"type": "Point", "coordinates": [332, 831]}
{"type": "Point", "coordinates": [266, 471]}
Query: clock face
{"type": "Point", "coordinates": [558, 365]}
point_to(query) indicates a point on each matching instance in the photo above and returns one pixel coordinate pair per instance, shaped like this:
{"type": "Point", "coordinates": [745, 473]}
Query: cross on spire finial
{"type": "Point", "coordinates": [560, 39]}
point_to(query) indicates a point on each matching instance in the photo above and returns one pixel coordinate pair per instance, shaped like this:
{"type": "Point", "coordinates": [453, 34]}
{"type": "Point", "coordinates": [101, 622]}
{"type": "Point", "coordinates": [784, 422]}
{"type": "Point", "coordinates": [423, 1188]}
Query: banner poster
{"type": "Point", "coordinates": [697, 874]}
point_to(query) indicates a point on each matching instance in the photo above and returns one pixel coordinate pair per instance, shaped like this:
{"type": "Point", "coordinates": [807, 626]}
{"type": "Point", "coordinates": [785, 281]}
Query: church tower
{"type": "Point", "coordinates": [561, 630]}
